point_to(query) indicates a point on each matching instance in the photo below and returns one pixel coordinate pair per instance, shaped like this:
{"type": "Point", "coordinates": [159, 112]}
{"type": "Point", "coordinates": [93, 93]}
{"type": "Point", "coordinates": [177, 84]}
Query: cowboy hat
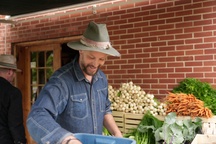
{"type": "Point", "coordinates": [95, 38]}
{"type": "Point", "coordinates": [8, 62]}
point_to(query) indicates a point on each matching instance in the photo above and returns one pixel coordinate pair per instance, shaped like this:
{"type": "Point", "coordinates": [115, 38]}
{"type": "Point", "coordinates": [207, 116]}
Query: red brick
{"type": "Point", "coordinates": [158, 65]}
{"type": "Point", "coordinates": [175, 8]}
{"type": "Point", "coordinates": [142, 66]}
{"type": "Point", "coordinates": [165, 5]}
{"type": "Point", "coordinates": [159, 75]}
{"type": "Point", "coordinates": [183, 36]}
{"type": "Point", "coordinates": [149, 28]}
{"type": "Point", "coordinates": [201, 69]}
{"type": "Point", "coordinates": [175, 75]}
{"type": "Point", "coordinates": [210, 51]}
{"type": "Point", "coordinates": [209, 3]}
{"type": "Point", "coordinates": [149, 70]}
{"type": "Point", "coordinates": [134, 40]}
{"type": "Point", "coordinates": [142, 45]}
{"type": "Point", "coordinates": [133, 71]}
{"type": "Point", "coordinates": [209, 28]}
{"type": "Point", "coordinates": [193, 6]}
{"type": "Point", "coordinates": [143, 76]}
{"type": "Point", "coordinates": [129, 76]}
{"type": "Point", "coordinates": [193, 64]}
{"type": "Point", "coordinates": [134, 10]}
{"type": "Point", "coordinates": [204, 57]}
{"type": "Point", "coordinates": [209, 63]}
{"type": "Point", "coordinates": [127, 66]}
{"type": "Point", "coordinates": [134, 30]}
{"type": "Point", "coordinates": [165, 70]}
{"type": "Point", "coordinates": [204, 45]}
{"type": "Point", "coordinates": [165, 15]}
{"type": "Point", "coordinates": [148, 7]}
{"type": "Point", "coordinates": [174, 20]}
{"type": "Point", "coordinates": [134, 20]}
{"type": "Point", "coordinates": [185, 70]}
{"type": "Point", "coordinates": [166, 26]}
{"type": "Point", "coordinates": [149, 60]}
{"type": "Point", "coordinates": [155, 44]}
{"type": "Point", "coordinates": [194, 52]}
{"type": "Point", "coordinates": [142, 13]}
{"type": "Point", "coordinates": [184, 13]}
{"type": "Point", "coordinates": [185, 58]}
{"type": "Point", "coordinates": [192, 29]}
{"type": "Point", "coordinates": [134, 51]}
{"type": "Point", "coordinates": [157, 22]}
{"type": "Point", "coordinates": [203, 34]}
{"type": "Point", "coordinates": [176, 42]}
{"type": "Point", "coordinates": [134, 61]}
{"type": "Point", "coordinates": [143, 3]}
{"type": "Point", "coordinates": [167, 59]}
{"type": "Point", "coordinates": [174, 31]}
{"type": "Point", "coordinates": [193, 41]}
{"type": "Point", "coordinates": [209, 16]}
{"type": "Point", "coordinates": [209, 39]}
{"type": "Point", "coordinates": [166, 80]}
{"type": "Point", "coordinates": [166, 37]}
{"type": "Point", "coordinates": [194, 75]}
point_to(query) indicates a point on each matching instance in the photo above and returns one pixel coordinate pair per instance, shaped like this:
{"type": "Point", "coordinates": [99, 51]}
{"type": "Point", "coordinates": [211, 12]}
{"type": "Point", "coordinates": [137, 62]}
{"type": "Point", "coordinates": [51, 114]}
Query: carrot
{"type": "Point", "coordinates": [186, 105]}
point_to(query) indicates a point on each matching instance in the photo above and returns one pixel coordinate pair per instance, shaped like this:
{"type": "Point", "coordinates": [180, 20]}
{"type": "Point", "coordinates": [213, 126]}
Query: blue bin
{"type": "Point", "coordinates": [100, 139]}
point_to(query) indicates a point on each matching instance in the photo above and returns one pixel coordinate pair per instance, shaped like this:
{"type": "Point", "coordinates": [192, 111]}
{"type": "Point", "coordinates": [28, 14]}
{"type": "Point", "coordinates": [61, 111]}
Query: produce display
{"type": "Point", "coordinates": [186, 105]}
{"type": "Point", "coordinates": [131, 98]}
{"type": "Point", "coordinates": [191, 98]}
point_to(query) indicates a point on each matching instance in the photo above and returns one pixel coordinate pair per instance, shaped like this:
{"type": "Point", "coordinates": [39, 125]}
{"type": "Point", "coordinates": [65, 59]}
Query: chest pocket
{"type": "Point", "coordinates": [79, 106]}
{"type": "Point", "coordinates": [102, 93]}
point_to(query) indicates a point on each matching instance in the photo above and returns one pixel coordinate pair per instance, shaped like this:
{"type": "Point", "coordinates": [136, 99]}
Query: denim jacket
{"type": "Point", "coordinates": [68, 104]}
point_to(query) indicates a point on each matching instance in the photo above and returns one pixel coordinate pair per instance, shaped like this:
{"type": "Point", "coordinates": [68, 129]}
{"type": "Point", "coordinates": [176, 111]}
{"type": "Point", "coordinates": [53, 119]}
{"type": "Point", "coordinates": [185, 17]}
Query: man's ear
{"type": "Point", "coordinates": [10, 71]}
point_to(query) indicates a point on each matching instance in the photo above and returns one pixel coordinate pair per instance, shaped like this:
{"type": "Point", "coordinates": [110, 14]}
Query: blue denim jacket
{"type": "Point", "coordinates": [68, 104]}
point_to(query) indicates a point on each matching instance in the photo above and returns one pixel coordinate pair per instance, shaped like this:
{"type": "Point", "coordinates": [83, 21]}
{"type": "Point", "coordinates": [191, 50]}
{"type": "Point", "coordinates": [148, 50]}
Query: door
{"type": "Point", "coordinates": [38, 63]}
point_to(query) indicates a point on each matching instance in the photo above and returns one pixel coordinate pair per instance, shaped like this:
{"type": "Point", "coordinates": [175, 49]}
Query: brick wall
{"type": "Point", "coordinates": [161, 41]}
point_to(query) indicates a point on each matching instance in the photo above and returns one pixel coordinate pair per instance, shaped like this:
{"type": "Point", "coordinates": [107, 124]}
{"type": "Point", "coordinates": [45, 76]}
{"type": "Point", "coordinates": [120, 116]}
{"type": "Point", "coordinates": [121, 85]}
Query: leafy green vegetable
{"type": "Point", "coordinates": [177, 131]}
{"type": "Point", "coordinates": [201, 90]}
{"type": "Point", "coordinates": [144, 134]}
{"type": "Point", "coordinates": [106, 132]}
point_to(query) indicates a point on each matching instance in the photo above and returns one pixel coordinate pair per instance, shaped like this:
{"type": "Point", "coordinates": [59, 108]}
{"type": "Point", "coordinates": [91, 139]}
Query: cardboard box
{"type": "Point", "coordinates": [204, 139]}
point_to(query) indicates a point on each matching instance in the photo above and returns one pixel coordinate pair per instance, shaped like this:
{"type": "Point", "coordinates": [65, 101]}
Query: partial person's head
{"type": "Point", "coordinates": [8, 67]}
{"type": "Point", "coordinates": [94, 46]}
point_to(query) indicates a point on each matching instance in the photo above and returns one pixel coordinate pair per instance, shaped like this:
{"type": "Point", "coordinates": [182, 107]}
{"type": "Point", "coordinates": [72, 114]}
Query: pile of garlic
{"type": "Point", "coordinates": [130, 98]}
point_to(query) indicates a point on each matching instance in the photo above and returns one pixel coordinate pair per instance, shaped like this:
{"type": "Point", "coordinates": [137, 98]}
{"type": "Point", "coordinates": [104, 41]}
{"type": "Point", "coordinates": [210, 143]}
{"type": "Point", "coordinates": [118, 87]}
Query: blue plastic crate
{"type": "Point", "coordinates": [100, 139]}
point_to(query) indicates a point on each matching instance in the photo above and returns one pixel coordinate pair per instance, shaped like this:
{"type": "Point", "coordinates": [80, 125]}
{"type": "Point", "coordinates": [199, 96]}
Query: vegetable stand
{"type": "Point", "coordinates": [127, 121]}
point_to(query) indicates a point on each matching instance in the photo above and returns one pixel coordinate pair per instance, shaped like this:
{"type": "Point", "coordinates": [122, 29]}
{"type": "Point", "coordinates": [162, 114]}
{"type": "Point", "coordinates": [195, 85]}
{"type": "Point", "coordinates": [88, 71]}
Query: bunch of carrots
{"type": "Point", "coordinates": [186, 105]}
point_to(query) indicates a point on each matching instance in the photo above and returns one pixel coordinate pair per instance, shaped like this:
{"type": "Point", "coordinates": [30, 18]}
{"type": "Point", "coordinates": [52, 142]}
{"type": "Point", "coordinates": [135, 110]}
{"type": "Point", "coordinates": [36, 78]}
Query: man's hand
{"type": "Point", "coordinates": [71, 140]}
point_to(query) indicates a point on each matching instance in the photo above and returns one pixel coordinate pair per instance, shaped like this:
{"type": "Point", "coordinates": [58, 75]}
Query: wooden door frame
{"type": "Point", "coordinates": [19, 50]}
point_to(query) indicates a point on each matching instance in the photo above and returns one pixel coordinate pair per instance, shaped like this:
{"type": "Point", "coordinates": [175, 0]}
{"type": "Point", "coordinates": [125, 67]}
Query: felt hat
{"type": "Point", "coordinates": [8, 62]}
{"type": "Point", "coordinates": [95, 38]}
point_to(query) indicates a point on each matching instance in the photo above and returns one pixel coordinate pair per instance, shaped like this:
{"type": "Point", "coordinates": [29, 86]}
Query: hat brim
{"type": "Point", "coordinates": [79, 46]}
{"type": "Point", "coordinates": [4, 67]}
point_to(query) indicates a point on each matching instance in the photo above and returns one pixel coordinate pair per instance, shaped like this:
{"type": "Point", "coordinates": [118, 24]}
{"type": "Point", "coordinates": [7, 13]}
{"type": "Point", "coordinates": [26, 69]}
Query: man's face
{"type": "Point", "coordinates": [91, 61]}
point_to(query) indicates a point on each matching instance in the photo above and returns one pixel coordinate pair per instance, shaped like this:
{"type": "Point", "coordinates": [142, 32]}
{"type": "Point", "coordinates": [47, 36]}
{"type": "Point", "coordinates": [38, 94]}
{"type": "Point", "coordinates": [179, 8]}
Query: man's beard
{"type": "Point", "coordinates": [85, 70]}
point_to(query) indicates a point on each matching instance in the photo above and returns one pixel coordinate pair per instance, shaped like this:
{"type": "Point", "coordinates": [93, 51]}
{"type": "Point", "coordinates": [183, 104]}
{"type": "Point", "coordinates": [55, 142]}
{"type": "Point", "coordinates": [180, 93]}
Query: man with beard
{"type": "Point", "coordinates": [75, 99]}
